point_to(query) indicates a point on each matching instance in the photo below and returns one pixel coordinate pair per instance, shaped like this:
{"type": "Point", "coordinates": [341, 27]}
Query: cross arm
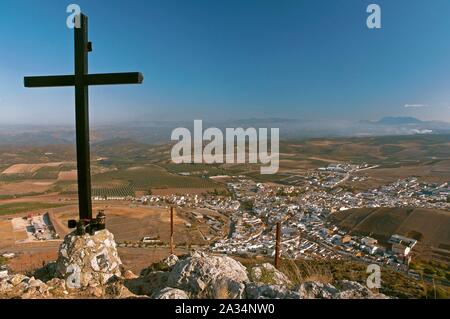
{"type": "Point", "coordinates": [90, 79]}
{"type": "Point", "coordinates": [115, 78]}
{"type": "Point", "coordinates": [47, 81]}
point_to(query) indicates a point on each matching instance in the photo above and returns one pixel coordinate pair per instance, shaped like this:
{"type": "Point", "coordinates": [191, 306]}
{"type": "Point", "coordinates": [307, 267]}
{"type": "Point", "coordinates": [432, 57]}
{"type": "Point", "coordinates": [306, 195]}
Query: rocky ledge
{"type": "Point", "coordinates": [198, 275]}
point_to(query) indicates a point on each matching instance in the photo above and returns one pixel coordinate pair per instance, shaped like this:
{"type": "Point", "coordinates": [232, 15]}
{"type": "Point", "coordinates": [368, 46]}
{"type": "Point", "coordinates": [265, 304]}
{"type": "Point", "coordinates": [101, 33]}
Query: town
{"type": "Point", "coordinates": [254, 209]}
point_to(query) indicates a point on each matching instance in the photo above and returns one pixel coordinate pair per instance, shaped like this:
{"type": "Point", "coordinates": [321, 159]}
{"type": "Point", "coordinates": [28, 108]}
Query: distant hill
{"type": "Point", "coordinates": [157, 132]}
{"type": "Point", "coordinates": [35, 139]}
{"type": "Point", "coordinates": [399, 120]}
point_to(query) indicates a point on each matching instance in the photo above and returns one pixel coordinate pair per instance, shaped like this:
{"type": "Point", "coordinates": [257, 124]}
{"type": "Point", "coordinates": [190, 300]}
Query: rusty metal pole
{"type": "Point", "coordinates": [171, 230]}
{"type": "Point", "coordinates": [277, 246]}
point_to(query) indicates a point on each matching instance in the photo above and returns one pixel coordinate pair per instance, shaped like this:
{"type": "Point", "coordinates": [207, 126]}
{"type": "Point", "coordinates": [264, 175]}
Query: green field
{"type": "Point", "coordinates": [49, 172]}
{"type": "Point", "coordinates": [121, 191]}
{"type": "Point", "coordinates": [195, 169]}
{"type": "Point", "coordinates": [146, 177]}
{"type": "Point", "coordinates": [14, 208]}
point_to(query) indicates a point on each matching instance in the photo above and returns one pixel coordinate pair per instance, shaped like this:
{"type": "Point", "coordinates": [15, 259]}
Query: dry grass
{"type": "Point", "coordinates": [309, 271]}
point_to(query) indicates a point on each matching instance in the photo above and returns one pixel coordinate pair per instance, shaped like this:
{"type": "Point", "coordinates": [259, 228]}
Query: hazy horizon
{"type": "Point", "coordinates": [309, 60]}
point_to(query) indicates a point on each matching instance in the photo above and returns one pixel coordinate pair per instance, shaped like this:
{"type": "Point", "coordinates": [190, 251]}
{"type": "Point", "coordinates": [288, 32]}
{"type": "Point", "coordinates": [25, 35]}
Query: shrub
{"type": "Point", "coordinates": [429, 271]}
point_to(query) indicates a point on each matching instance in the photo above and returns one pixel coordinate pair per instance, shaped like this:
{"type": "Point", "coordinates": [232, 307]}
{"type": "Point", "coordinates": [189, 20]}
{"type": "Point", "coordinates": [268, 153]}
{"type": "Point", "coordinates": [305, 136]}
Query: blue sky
{"type": "Point", "coordinates": [217, 59]}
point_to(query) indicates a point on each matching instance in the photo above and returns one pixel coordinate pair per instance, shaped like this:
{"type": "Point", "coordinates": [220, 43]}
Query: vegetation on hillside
{"type": "Point", "coordinates": [393, 283]}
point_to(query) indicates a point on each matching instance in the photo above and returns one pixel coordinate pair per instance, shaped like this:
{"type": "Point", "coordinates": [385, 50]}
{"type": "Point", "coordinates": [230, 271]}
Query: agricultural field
{"type": "Point", "coordinates": [124, 191]}
{"type": "Point", "coordinates": [146, 178]}
{"type": "Point", "coordinates": [129, 223]}
{"type": "Point", "coordinates": [67, 175]}
{"type": "Point", "coordinates": [6, 234]}
{"type": "Point", "coordinates": [28, 168]}
{"type": "Point", "coordinates": [124, 167]}
{"type": "Point", "coordinates": [195, 169]}
{"type": "Point", "coordinates": [20, 207]}
{"type": "Point", "coordinates": [24, 188]}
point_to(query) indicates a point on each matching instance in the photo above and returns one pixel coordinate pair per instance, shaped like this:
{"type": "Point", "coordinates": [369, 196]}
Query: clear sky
{"type": "Point", "coordinates": [220, 59]}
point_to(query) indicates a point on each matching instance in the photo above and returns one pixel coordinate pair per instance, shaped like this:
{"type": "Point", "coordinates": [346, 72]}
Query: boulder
{"type": "Point", "coordinates": [170, 261]}
{"type": "Point", "coordinates": [317, 290]}
{"type": "Point", "coordinates": [171, 293]}
{"type": "Point", "coordinates": [164, 265]}
{"type": "Point", "coordinates": [265, 291]}
{"type": "Point", "coordinates": [88, 260]}
{"type": "Point", "coordinates": [207, 276]}
{"type": "Point", "coordinates": [344, 290]}
{"type": "Point", "coordinates": [268, 274]}
{"type": "Point", "coordinates": [354, 290]}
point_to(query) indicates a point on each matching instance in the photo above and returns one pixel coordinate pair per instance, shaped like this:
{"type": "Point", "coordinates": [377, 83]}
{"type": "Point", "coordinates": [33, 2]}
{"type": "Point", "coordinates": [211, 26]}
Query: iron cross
{"type": "Point", "coordinates": [81, 81]}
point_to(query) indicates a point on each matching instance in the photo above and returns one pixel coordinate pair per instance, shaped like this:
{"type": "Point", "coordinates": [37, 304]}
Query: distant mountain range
{"type": "Point", "coordinates": [399, 120]}
{"type": "Point", "coordinates": [155, 132]}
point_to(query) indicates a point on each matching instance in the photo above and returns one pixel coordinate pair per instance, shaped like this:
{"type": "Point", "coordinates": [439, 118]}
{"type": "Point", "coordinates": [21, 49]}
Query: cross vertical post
{"type": "Point", "coordinates": [81, 81]}
{"type": "Point", "coordinates": [82, 119]}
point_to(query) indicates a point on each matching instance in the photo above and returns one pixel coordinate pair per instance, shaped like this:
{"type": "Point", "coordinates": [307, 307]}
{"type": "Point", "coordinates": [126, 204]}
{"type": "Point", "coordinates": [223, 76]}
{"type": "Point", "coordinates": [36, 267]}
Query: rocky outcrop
{"type": "Point", "coordinates": [268, 274]}
{"type": "Point", "coordinates": [88, 260]}
{"type": "Point", "coordinates": [164, 265]}
{"type": "Point", "coordinates": [21, 286]}
{"type": "Point", "coordinates": [354, 290]}
{"type": "Point", "coordinates": [317, 290]}
{"type": "Point", "coordinates": [171, 293]}
{"type": "Point", "coordinates": [269, 283]}
{"type": "Point", "coordinates": [255, 290]}
{"type": "Point", "coordinates": [198, 275]}
{"type": "Point", "coordinates": [207, 276]}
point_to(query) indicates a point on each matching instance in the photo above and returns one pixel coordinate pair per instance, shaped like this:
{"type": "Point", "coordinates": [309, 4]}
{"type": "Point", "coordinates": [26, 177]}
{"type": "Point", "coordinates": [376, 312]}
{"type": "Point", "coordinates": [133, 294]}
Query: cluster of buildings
{"type": "Point", "coordinates": [306, 229]}
{"type": "Point", "coordinates": [38, 227]}
{"type": "Point", "coordinates": [330, 176]}
{"type": "Point", "coordinates": [255, 208]}
{"type": "Point", "coordinates": [221, 204]}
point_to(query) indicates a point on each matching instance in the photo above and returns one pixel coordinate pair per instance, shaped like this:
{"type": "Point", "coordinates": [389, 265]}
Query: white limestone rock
{"type": "Point", "coordinates": [255, 290]}
{"type": "Point", "coordinates": [317, 290]}
{"type": "Point", "coordinates": [267, 274]}
{"type": "Point", "coordinates": [207, 276]}
{"type": "Point", "coordinates": [88, 260]}
{"type": "Point", "coordinates": [354, 290]}
{"type": "Point", "coordinates": [171, 293]}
